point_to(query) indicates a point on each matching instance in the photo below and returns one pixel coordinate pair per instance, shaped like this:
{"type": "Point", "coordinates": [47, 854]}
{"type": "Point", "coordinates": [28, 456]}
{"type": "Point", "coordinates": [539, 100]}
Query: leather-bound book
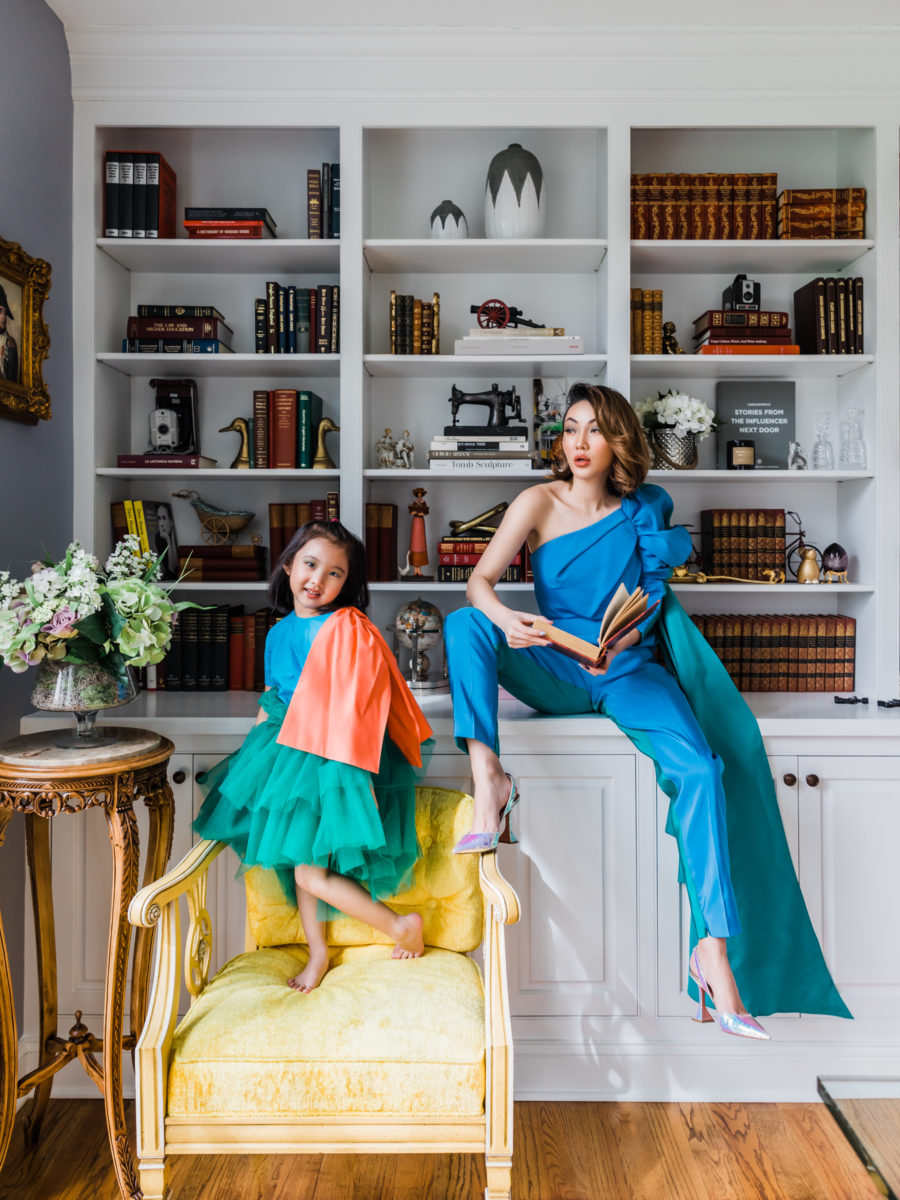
{"type": "Point", "coordinates": [313, 204]}
{"type": "Point", "coordinates": [276, 532]}
{"type": "Point", "coordinates": [189, 634]}
{"type": "Point", "coordinates": [218, 681]}
{"type": "Point", "coordinates": [260, 429]}
{"type": "Point", "coordinates": [236, 648]}
{"type": "Point", "coordinates": [283, 434]}
{"type": "Point", "coordinates": [810, 317]}
{"type": "Point", "coordinates": [720, 220]}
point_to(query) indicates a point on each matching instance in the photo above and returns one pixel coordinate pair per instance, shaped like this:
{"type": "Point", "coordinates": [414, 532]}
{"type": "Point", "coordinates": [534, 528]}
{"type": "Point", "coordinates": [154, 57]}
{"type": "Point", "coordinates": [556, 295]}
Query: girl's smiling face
{"type": "Point", "coordinates": [586, 449]}
{"type": "Point", "coordinates": [317, 573]}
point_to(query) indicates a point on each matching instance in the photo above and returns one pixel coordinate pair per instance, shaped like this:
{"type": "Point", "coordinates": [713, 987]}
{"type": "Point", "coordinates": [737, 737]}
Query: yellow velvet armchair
{"type": "Point", "coordinates": [386, 1055]}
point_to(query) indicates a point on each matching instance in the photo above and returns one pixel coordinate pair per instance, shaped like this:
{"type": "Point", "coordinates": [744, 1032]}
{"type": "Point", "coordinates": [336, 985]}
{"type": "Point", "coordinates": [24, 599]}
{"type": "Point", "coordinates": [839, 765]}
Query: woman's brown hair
{"type": "Point", "coordinates": [619, 424]}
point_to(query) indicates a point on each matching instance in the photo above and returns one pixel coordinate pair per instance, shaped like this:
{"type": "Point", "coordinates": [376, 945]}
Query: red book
{"type": "Point", "coordinates": [317, 510]}
{"type": "Point", "coordinates": [235, 650]}
{"type": "Point", "coordinates": [276, 532]}
{"type": "Point", "coordinates": [161, 217]}
{"type": "Point", "coordinates": [249, 651]}
{"type": "Point", "coordinates": [261, 619]}
{"type": "Point", "coordinates": [238, 550]}
{"type": "Point", "coordinates": [372, 560]}
{"type": "Point", "coordinates": [207, 229]}
{"type": "Point", "coordinates": [182, 327]}
{"type": "Point", "coordinates": [734, 349]}
{"type": "Point", "coordinates": [470, 560]}
{"type": "Point", "coordinates": [387, 542]}
{"type": "Point", "coordinates": [283, 429]}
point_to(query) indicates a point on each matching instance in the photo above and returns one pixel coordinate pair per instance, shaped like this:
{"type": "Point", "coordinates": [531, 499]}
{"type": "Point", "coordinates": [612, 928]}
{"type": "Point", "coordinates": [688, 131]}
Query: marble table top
{"type": "Point", "coordinates": [37, 750]}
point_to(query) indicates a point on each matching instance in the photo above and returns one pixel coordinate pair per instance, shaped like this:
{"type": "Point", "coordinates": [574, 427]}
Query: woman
{"type": "Point", "coordinates": [591, 528]}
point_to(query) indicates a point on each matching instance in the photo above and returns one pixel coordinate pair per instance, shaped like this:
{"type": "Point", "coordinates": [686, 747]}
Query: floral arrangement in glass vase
{"type": "Point", "coordinates": [85, 626]}
{"type": "Point", "coordinates": [674, 422]}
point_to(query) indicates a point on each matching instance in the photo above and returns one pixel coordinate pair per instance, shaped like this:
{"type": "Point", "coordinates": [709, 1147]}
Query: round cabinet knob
{"type": "Point", "coordinates": [179, 776]}
{"type": "Point", "coordinates": [790, 780]}
{"type": "Point", "coordinates": [812, 780]}
{"type": "Point", "coordinates": [201, 777]}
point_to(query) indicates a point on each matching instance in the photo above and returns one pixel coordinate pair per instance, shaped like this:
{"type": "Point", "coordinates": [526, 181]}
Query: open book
{"type": "Point", "coordinates": [623, 612]}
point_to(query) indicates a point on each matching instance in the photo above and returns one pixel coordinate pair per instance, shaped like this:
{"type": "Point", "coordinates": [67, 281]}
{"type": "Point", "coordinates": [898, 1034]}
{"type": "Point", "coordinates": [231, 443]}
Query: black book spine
{"type": "Point", "coordinates": [335, 200]}
{"type": "Point", "coordinates": [326, 200]}
{"type": "Point", "coordinates": [290, 319]}
{"type": "Point", "coordinates": [151, 201]}
{"type": "Point", "coordinates": [126, 195]}
{"type": "Point", "coordinates": [111, 194]}
{"type": "Point", "coordinates": [335, 319]}
{"type": "Point", "coordinates": [323, 311]}
{"type": "Point", "coordinates": [139, 193]}
{"type": "Point", "coordinates": [282, 317]}
{"type": "Point", "coordinates": [259, 325]}
{"type": "Point", "coordinates": [171, 664]}
{"type": "Point", "coordinates": [204, 649]}
{"type": "Point", "coordinates": [189, 631]}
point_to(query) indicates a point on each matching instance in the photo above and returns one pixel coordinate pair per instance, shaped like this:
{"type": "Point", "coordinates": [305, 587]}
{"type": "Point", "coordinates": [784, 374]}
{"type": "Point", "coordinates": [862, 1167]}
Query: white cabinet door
{"type": "Point", "coordinates": [574, 952]}
{"type": "Point", "coordinates": [849, 835]}
{"type": "Point", "coordinates": [673, 911]}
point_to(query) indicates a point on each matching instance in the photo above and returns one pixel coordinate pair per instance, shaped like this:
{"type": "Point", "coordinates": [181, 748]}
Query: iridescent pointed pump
{"type": "Point", "coordinates": [483, 843]}
{"type": "Point", "coordinates": [738, 1024]}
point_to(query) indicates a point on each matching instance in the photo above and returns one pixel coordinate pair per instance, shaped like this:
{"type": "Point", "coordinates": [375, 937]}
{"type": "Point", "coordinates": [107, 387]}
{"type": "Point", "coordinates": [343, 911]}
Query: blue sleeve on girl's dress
{"type": "Point", "coordinates": [661, 548]}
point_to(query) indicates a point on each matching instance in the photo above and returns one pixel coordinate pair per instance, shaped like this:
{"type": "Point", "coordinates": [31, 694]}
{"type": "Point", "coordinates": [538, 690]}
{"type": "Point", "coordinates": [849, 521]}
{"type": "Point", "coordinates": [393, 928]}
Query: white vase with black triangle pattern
{"type": "Point", "coordinates": [514, 195]}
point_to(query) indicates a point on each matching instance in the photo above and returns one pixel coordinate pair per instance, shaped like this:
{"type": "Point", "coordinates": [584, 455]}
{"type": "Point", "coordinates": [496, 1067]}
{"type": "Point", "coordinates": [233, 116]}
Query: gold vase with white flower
{"type": "Point", "coordinates": [673, 423]}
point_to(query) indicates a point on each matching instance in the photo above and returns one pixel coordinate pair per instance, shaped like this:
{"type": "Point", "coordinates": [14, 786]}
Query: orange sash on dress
{"type": "Point", "coordinates": [349, 692]}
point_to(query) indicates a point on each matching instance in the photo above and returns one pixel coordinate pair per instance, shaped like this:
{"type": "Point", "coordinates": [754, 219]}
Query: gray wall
{"type": "Point", "coordinates": [35, 461]}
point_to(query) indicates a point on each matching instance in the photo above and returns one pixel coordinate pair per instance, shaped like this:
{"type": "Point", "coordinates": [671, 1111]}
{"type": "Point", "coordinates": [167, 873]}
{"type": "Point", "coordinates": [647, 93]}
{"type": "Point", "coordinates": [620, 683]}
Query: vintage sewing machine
{"type": "Point", "coordinates": [494, 400]}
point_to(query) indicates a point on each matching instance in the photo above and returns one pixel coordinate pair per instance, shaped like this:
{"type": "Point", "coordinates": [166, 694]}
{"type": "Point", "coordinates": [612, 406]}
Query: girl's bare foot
{"type": "Point", "coordinates": [410, 941]}
{"type": "Point", "coordinates": [311, 976]}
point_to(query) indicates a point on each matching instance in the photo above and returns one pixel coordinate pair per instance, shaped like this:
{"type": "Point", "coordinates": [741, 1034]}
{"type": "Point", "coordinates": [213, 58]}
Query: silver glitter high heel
{"type": "Point", "coordinates": [737, 1024]}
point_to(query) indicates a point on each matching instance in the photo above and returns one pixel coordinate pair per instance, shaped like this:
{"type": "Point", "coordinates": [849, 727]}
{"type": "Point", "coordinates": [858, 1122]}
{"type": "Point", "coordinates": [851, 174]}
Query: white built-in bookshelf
{"type": "Point", "coordinates": [579, 276]}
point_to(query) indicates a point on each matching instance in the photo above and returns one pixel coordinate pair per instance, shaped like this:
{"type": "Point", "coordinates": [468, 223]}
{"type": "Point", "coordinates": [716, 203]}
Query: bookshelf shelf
{"type": "Point", "coordinates": [773, 590]}
{"type": "Point", "coordinates": [436, 473]}
{"type": "Point", "coordinates": [175, 256]}
{"type": "Point", "coordinates": [756, 366]}
{"type": "Point", "coordinates": [482, 366]}
{"type": "Point", "coordinates": [424, 585]}
{"type": "Point", "coordinates": [238, 366]}
{"type": "Point", "coordinates": [787, 257]}
{"type": "Point", "coordinates": [760, 477]}
{"type": "Point", "coordinates": [231, 585]}
{"type": "Point", "coordinates": [479, 255]}
{"type": "Point", "coordinates": [210, 473]}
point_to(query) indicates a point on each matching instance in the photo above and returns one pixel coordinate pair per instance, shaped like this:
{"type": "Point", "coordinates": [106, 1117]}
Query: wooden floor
{"type": "Point", "coordinates": [563, 1151]}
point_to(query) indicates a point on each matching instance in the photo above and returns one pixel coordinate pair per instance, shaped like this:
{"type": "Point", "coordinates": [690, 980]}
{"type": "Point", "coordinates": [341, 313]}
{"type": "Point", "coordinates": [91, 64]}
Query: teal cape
{"type": "Point", "coordinates": [776, 958]}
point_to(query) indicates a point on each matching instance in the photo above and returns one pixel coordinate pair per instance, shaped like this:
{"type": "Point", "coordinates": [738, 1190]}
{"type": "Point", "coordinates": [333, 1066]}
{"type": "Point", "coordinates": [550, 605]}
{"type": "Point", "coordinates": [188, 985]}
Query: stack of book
{"type": "Point", "coordinates": [177, 329]}
{"type": "Point", "coordinates": [720, 331]}
{"type": "Point", "coordinates": [784, 653]}
{"type": "Point", "coordinates": [646, 321]}
{"type": "Point", "coordinates": [415, 325]}
{"type": "Point", "coordinates": [828, 313]}
{"type": "Point", "coordinates": [744, 542]}
{"type": "Point", "coordinates": [323, 201]}
{"type": "Point", "coordinates": [242, 223]}
{"type": "Point", "coordinates": [822, 213]}
{"type": "Point", "coordinates": [286, 518]}
{"type": "Point", "coordinates": [493, 452]}
{"type": "Point", "coordinates": [667, 206]}
{"type": "Point", "coordinates": [297, 320]}
{"type": "Point", "coordinates": [139, 195]}
{"type": "Point", "coordinates": [239, 563]}
{"type": "Point", "coordinates": [283, 430]}
{"type": "Point", "coordinates": [381, 543]}
{"type": "Point", "coordinates": [215, 649]}
{"type": "Point", "coordinates": [163, 461]}
{"type": "Point", "coordinates": [459, 554]}
{"type": "Point", "coordinates": [544, 340]}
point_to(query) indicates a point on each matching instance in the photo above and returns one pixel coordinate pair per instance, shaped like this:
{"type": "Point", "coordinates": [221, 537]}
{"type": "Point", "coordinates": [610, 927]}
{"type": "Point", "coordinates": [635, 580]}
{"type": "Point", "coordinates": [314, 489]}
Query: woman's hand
{"type": "Point", "coordinates": [519, 630]}
{"type": "Point", "coordinates": [629, 639]}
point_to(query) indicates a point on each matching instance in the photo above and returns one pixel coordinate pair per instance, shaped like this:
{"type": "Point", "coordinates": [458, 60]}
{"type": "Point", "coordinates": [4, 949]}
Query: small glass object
{"type": "Point", "coordinates": [741, 455]}
{"type": "Point", "coordinates": [823, 450]}
{"type": "Point", "coordinates": [853, 447]}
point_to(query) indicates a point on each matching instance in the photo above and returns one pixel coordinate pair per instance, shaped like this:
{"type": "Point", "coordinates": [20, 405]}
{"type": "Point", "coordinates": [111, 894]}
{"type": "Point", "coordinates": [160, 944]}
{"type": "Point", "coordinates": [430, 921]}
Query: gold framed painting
{"type": "Point", "coordinates": [24, 340]}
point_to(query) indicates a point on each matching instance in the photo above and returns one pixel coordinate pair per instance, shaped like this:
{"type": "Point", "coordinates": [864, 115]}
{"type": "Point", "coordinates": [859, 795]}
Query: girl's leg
{"type": "Point", "coordinates": [351, 898]}
{"type": "Point", "coordinates": [311, 975]}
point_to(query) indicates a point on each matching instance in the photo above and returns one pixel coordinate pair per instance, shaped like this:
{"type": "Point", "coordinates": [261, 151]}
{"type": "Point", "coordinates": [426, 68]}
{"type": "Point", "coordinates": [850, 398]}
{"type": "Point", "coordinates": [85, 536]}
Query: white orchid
{"type": "Point", "coordinates": [676, 411]}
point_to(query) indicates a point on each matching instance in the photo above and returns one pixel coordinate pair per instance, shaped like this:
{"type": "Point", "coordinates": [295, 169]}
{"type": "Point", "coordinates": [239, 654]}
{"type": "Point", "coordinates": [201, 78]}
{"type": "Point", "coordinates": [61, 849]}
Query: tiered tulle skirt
{"type": "Point", "coordinates": [279, 807]}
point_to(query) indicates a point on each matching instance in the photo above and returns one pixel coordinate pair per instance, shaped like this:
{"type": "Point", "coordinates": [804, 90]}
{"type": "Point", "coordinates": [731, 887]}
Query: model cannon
{"type": "Point", "coordinates": [497, 314]}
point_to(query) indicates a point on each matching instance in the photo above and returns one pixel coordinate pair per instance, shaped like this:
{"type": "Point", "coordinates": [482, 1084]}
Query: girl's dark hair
{"type": "Point", "coordinates": [355, 591]}
{"type": "Point", "coordinates": [620, 426]}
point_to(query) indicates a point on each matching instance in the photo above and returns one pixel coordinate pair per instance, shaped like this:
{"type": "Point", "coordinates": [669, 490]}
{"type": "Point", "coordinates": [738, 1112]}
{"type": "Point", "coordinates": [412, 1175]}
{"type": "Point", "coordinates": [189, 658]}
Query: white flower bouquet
{"type": "Point", "coordinates": [112, 617]}
{"type": "Point", "coordinates": [678, 412]}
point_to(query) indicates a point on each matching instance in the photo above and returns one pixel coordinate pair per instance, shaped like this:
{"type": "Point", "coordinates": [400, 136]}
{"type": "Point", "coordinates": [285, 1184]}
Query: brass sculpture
{"type": "Point", "coordinates": [323, 460]}
{"type": "Point", "coordinates": [242, 426]}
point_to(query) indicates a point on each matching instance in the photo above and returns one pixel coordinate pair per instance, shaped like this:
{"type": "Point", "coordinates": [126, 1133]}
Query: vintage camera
{"type": "Point", "coordinates": [164, 427]}
{"type": "Point", "coordinates": [741, 294]}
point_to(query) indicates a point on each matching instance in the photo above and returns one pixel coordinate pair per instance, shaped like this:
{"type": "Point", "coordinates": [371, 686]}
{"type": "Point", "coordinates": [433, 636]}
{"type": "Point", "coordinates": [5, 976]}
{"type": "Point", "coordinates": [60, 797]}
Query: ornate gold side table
{"type": "Point", "coordinates": [42, 780]}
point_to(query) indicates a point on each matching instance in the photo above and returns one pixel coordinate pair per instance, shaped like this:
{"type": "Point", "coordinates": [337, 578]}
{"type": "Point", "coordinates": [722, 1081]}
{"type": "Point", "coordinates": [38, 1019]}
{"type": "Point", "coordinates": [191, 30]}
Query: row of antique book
{"type": "Point", "coordinates": [742, 542]}
{"type": "Point", "coordinates": [784, 652]}
{"type": "Point", "coordinates": [282, 428]}
{"type": "Point", "coordinates": [458, 556]}
{"type": "Point", "coordinates": [323, 201]}
{"type": "Point", "coordinates": [139, 190]}
{"type": "Point", "coordinates": [297, 320]}
{"type": "Point", "coordinates": [415, 325]}
{"type": "Point", "coordinates": [646, 321]}
{"type": "Point", "coordinates": [177, 329]}
{"type": "Point", "coordinates": [829, 315]}
{"type": "Point", "coordinates": [220, 648]}
{"type": "Point", "coordinates": [740, 206]}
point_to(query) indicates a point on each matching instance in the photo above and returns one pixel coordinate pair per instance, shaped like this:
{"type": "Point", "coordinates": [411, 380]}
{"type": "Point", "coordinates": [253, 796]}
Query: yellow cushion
{"type": "Point", "coordinates": [379, 1035]}
{"type": "Point", "coordinates": [444, 890]}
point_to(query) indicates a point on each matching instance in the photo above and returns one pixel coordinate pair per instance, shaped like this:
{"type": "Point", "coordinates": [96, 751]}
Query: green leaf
{"type": "Point", "coordinates": [93, 628]}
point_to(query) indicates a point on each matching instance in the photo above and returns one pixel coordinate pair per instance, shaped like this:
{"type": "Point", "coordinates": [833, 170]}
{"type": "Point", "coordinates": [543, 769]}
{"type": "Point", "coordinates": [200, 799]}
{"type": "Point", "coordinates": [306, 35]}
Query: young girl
{"type": "Point", "coordinates": [324, 784]}
{"type": "Point", "coordinates": [591, 528]}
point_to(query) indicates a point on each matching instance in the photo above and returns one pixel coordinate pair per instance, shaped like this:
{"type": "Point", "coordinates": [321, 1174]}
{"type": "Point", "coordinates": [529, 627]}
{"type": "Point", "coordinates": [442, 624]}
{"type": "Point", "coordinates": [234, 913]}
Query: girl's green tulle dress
{"type": "Point", "coordinates": [278, 807]}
